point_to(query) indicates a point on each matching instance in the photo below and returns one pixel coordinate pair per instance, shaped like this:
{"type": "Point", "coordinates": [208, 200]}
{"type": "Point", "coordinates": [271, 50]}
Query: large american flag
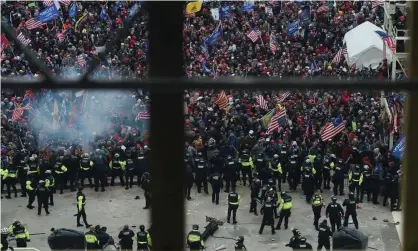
{"type": "Point", "coordinates": [222, 100]}
{"type": "Point", "coordinates": [262, 102]}
{"type": "Point", "coordinates": [387, 40]}
{"type": "Point", "coordinates": [143, 116]}
{"type": "Point", "coordinates": [254, 35]}
{"type": "Point", "coordinates": [80, 60]}
{"type": "Point", "coordinates": [25, 41]}
{"type": "Point", "coordinates": [282, 97]}
{"type": "Point", "coordinates": [18, 111]}
{"type": "Point", "coordinates": [48, 3]}
{"type": "Point", "coordinates": [277, 121]}
{"type": "Point", "coordinates": [33, 23]}
{"type": "Point", "coordinates": [273, 46]}
{"type": "Point", "coordinates": [395, 108]}
{"type": "Point", "coordinates": [376, 3]}
{"type": "Point", "coordinates": [332, 128]}
{"type": "Point", "coordinates": [339, 55]}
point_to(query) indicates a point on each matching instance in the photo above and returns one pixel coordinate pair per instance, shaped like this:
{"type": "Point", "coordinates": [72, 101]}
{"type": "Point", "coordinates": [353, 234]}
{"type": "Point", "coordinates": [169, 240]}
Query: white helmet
{"type": "Point", "coordinates": [4, 231]}
{"type": "Point", "coordinates": [48, 171]}
{"type": "Point", "coordinates": [333, 156]}
{"type": "Point", "coordinates": [32, 159]}
{"type": "Point", "coordinates": [116, 155]}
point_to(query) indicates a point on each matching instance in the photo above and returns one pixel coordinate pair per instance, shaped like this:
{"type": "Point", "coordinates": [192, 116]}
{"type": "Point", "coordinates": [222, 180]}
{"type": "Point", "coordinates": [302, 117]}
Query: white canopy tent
{"type": "Point", "coordinates": [365, 47]}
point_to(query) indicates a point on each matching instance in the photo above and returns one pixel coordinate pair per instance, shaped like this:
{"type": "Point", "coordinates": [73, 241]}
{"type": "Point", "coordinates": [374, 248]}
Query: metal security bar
{"type": "Point", "coordinates": [167, 85]}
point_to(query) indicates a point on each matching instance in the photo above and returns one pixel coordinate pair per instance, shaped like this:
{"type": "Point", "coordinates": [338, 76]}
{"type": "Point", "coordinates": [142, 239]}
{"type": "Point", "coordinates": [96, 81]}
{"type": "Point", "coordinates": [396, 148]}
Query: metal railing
{"type": "Point", "coordinates": [167, 85]}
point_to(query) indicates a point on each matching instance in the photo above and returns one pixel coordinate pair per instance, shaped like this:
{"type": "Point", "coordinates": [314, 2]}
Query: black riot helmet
{"type": "Point", "coordinates": [229, 157]}
{"type": "Point", "coordinates": [195, 227]}
{"type": "Point", "coordinates": [271, 182]}
{"type": "Point", "coordinates": [334, 199]}
{"type": "Point", "coordinates": [241, 239]}
{"type": "Point", "coordinates": [351, 195]}
{"type": "Point", "coordinates": [142, 228]}
{"type": "Point", "coordinates": [187, 155]}
{"type": "Point", "coordinates": [44, 161]}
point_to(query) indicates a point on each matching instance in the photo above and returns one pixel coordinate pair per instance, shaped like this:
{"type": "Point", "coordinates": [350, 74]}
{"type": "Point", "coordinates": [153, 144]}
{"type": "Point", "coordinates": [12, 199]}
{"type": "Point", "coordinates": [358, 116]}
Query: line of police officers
{"type": "Point", "coordinates": [313, 173]}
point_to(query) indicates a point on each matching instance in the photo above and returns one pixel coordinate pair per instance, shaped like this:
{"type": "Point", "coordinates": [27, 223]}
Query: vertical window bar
{"type": "Point", "coordinates": [410, 171]}
{"type": "Point", "coordinates": [167, 126]}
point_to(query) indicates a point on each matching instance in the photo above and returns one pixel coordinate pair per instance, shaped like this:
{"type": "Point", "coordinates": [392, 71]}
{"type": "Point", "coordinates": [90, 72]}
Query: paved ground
{"type": "Point", "coordinates": [117, 207]}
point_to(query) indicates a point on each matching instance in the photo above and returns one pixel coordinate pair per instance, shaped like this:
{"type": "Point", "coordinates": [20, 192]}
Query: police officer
{"type": "Point", "coordinates": [294, 241]}
{"type": "Point", "coordinates": [42, 194]}
{"type": "Point", "coordinates": [277, 172]}
{"type": "Point", "coordinates": [99, 170]}
{"type": "Point", "coordinates": [285, 210]}
{"type": "Point", "coordinates": [22, 170]}
{"type": "Point", "coordinates": [216, 182]}
{"type": "Point", "coordinates": [271, 192]}
{"type": "Point", "coordinates": [50, 185]}
{"type": "Point", "coordinates": [189, 181]}
{"type": "Point", "coordinates": [318, 165]}
{"type": "Point", "coordinates": [60, 169]}
{"type": "Point", "coordinates": [233, 204]}
{"type": "Point", "coordinates": [308, 184]}
{"type": "Point", "coordinates": [267, 210]}
{"type": "Point", "coordinates": [4, 242]}
{"type": "Point", "coordinates": [231, 173]}
{"type": "Point", "coordinates": [35, 170]}
{"type": "Point", "coordinates": [284, 159]}
{"type": "Point", "coordinates": [141, 165]}
{"type": "Point", "coordinates": [338, 178]}
{"type": "Point", "coordinates": [143, 239]}
{"type": "Point", "coordinates": [375, 186]}
{"type": "Point", "coordinates": [126, 238]}
{"type": "Point", "coordinates": [146, 186]}
{"type": "Point", "coordinates": [350, 205]}
{"type": "Point", "coordinates": [201, 176]}
{"type": "Point", "coordinates": [303, 245]}
{"type": "Point", "coordinates": [294, 173]}
{"type": "Point", "coordinates": [255, 191]}
{"type": "Point", "coordinates": [317, 204]}
{"type": "Point", "coordinates": [366, 184]}
{"type": "Point", "coordinates": [92, 243]}
{"type": "Point", "coordinates": [129, 169]}
{"type": "Point", "coordinates": [31, 185]}
{"type": "Point", "coordinates": [328, 166]}
{"type": "Point", "coordinates": [81, 210]}
{"type": "Point", "coordinates": [239, 245]}
{"type": "Point", "coordinates": [21, 234]}
{"type": "Point", "coordinates": [117, 166]}
{"type": "Point", "coordinates": [71, 162]}
{"type": "Point", "coordinates": [260, 163]}
{"type": "Point", "coordinates": [323, 236]}
{"type": "Point", "coordinates": [194, 239]}
{"type": "Point", "coordinates": [334, 212]}
{"type": "Point", "coordinates": [85, 169]}
{"type": "Point", "coordinates": [246, 167]}
{"type": "Point", "coordinates": [10, 177]}
{"type": "Point", "coordinates": [355, 178]}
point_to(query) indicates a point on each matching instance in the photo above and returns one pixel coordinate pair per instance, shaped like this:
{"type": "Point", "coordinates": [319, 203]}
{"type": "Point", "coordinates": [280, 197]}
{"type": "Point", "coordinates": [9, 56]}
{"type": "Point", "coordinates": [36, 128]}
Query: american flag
{"type": "Point", "coordinates": [332, 128]}
{"type": "Point", "coordinates": [339, 55]}
{"type": "Point", "coordinates": [277, 121]}
{"type": "Point", "coordinates": [80, 60]}
{"type": "Point", "coordinates": [61, 36]}
{"type": "Point", "coordinates": [282, 97]}
{"type": "Point", "coordinates": [222, 100]}
{"type": "Point", "coordinates": [65, 2]}
{"type": "Point", "coordinates": [262, 102]}
{"type": "Point", "coordinates": [254, 35]}
{"type": "Point", "coordinates": [395, 108]}
{"type": "Point", "coordinates": [376, 3]}
{"type": "Point", "coordinates": [48, 3]}
{"type": "Point", "coordinates": [33, 23]}
{"type": "Point", "coordinates": [387, 40]}
{"type": "Point", "coordinates": [143, 116]}
{"type": "Point", "coordinates": [25, 41]}
{"type": "Point", "coordinates": [29, 94]}
{"type": "Point", "coordinates": [18, 111]}
{"type": "Point", "coordinates": [273, 46]}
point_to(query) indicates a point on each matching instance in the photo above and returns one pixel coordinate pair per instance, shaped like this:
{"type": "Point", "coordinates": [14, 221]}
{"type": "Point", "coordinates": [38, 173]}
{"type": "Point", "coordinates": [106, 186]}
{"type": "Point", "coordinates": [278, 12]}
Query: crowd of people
{"type": "Point", "coordinates": [51, 141]}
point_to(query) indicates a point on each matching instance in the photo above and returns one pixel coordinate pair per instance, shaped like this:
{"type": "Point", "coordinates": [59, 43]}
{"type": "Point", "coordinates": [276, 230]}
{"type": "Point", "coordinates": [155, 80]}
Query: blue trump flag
{"type": "Point", "coordinates": [292, 28]}
{"type": "Point", "coordinates": [132, 11]}
{"type": "Point", "coordinates": [48, 14]}
{"type": "Point", "coordinates": [305, 15]}
{"type": "Point", "coordinates": [73, 10]}
{"type": "Point", "coordinates": [213, 38]}
{"type": "Point", "coordinates": [225, 12]}
{"type": "Point", "coordinates": [117, 6]}
{"type": "Point", "coordinates": [399, 148]}
{"type": "Point", "coordinates": [248, 6]}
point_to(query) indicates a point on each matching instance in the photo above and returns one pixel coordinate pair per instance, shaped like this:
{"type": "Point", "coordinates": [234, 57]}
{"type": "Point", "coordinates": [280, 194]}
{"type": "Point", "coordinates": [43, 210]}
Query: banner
{"type": "Point", "coordinates": [292, 28]}
{"type": "Point", "coordinates": [215, 13]}
{"type": "Point", "coordinates": [193, 7]}
{"type": "Point", "coordinates": [399, 148]}
{"type": "Point", "coordinates": [48, 14]}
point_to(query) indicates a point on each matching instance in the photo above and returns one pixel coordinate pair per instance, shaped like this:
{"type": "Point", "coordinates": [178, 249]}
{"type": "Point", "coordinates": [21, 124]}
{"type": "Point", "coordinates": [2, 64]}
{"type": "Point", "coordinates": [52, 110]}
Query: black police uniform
{"type": "Point", "coordinates": [351, 209]}
{"type": "Point", "coordinates": [317, 204]}
{"type": "Point", "coordinates": [338, 179]}
{"type": "Point", "coordinates": [85, 171]}
{"type": "Point", "coordinates": [294, 174]}
{"type": "Point", "coordinates": [323, 237]}
{"type": "Point", "coordinates": [326, 174]}
{"type": "Point", "coordinates": [11, 180]}
{"type": "Point", "coordinates": [189, 182]}
{"type": "Point", "coordinates": [366, 186]}
{"type": "Point", "coordinates": [202, 176]}
{"type": "Point", "coordinates": [216, 182]}
{"type": "Point", "coordinates": [42, 193]}
{"type": "Point", "coordinates": [334, 211]}
{"type": "Point", "coordinates": [233, 204]}
{"type": "Point", "coordinates": [267, 210]}
{"type": "Point", "coordinates": [129, 172]}
{"type": "Point", "coordinates": [255, 191]}
{"type": "Point", "coordinates": [146, 186]}
{"type": "Point", "coordinates": [126, 239]}
{"type": "Point", "coordinates": [240, 246]}
{"type": "Point", "coordinates": [231, 174]}
{"type": "Point", "coordinates": [308, 185]}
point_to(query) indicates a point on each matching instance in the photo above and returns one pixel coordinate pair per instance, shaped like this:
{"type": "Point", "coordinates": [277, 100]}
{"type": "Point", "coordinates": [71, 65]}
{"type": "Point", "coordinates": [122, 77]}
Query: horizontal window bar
{"type": "Point", "coordinates": [248, 83]}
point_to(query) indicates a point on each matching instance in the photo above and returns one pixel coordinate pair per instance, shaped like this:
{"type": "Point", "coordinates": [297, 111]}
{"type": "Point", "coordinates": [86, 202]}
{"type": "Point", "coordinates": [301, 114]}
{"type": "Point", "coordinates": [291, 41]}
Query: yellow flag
{"type": "Point", "coordinates": [55, 116]}
{"type": "Point", "coordinates": [265, 120]}
{"type": "Point", "coordinates": [193, 7]}
{"type": "Point", "coordinates": [80, 20]}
